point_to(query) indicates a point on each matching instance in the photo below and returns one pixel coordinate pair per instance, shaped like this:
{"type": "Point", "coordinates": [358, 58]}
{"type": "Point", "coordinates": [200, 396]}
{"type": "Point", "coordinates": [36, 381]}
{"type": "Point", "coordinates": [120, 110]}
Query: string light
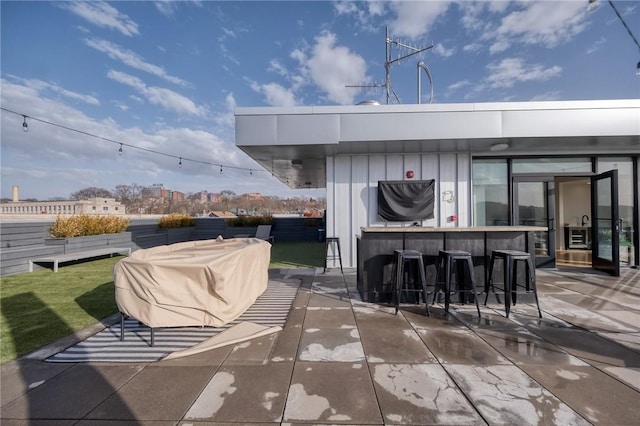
{"type": "Point", "coordinates": [25, 127]}
{"type": "Point", "coordinates": [251, 172]}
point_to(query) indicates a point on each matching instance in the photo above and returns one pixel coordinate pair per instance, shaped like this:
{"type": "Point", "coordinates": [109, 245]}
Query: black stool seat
{"type": "Point", "coordinates": [460, 263]}
{"type": "Point", "coordinates": [330, 241]}
{"type": "Point", "coordinates": [510, 259]}
{"type": "Point", "coordinates": [402, 257]}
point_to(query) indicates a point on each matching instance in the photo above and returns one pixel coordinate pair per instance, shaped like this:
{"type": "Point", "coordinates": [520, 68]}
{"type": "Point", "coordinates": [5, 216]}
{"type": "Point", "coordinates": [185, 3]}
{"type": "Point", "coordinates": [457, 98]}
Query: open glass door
{"type": "Point", "coordinates": [605, 223]}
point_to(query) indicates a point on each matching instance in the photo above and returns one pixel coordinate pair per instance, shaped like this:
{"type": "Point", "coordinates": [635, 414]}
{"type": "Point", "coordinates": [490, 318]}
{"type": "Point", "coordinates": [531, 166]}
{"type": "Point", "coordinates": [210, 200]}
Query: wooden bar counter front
{"type": "Point", "coordinates": [376, 245]}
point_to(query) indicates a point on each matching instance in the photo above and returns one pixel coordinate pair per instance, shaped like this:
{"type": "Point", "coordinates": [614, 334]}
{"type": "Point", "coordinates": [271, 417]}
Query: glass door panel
{"type": "Point", "coordinates": [534, 206]}
{"type": "Point", "coordinates": [606, 222]}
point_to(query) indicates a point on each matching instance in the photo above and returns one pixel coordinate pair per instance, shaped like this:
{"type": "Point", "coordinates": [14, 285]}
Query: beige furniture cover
{"type": "Point", "coordinates": [196, 283]}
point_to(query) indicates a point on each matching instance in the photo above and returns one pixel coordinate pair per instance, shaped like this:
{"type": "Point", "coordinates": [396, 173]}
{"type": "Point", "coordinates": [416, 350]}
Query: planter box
{"type": "Point", "coordinates": [75, 244]}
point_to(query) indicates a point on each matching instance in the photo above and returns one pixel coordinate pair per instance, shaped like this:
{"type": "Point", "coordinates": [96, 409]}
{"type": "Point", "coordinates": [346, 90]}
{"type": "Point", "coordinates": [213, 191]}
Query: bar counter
{"type": "Point", "coordinates": [376, 246]}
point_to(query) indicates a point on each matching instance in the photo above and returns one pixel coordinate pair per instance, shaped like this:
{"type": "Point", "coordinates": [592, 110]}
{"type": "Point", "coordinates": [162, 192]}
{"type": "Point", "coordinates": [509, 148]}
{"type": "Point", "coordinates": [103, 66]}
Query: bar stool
{"type": "Point", "coordinates": [401, 258]}
{"type": "Point", "coordinates": [447, 260]}
{"type": "Point", "coordinates": [331, 241]}
{"type": "Point", "coordinates": [510, 259]}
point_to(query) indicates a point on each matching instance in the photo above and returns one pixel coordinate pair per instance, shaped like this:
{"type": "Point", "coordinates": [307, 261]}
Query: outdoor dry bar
{"type": "Point", "coordinates": [376, 246]}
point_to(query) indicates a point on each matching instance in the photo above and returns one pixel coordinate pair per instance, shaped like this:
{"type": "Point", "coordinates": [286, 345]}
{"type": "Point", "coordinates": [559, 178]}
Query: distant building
{"type": "Point", "coordinates": [157, 190]}
{"type": "Point", "coordinates": [102, 206]}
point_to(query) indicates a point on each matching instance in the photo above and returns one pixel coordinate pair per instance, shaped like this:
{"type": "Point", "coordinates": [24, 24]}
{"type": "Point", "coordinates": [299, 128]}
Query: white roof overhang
{"type": "Point", "coordinates": [293, 143]}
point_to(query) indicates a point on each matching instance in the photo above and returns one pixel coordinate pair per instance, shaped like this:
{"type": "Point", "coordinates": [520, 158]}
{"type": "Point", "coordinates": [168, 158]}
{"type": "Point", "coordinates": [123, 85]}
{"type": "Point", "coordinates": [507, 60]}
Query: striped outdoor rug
{"type": "Point", "coordinates": [270, 309]}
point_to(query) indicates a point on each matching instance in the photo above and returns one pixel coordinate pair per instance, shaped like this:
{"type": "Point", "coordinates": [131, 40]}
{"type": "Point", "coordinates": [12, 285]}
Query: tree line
{"type": "Point", "coordinates": [141, 200]}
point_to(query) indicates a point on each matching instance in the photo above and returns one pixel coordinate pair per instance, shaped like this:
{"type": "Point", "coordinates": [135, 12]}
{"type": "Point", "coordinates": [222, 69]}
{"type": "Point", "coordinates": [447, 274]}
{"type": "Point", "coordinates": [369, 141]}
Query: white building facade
{"type": "Point", "coordinates": [101, 206]}
{"type": "Point", "coordinates": [493, 164]}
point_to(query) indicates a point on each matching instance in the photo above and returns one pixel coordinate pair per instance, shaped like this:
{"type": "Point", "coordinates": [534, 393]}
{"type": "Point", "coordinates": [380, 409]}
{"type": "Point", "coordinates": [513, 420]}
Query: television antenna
{"type": "Point", "coordinates": [402, 52]}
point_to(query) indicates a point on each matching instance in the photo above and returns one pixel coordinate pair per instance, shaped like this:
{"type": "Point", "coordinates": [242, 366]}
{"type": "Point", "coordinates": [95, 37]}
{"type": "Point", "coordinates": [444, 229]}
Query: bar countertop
{"type": "Point", "coordinates": [453, 229]}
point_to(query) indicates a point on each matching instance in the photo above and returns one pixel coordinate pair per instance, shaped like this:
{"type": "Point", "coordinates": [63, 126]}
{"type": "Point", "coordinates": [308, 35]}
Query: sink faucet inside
{"type": "Point", "coordinates": [585, 219]}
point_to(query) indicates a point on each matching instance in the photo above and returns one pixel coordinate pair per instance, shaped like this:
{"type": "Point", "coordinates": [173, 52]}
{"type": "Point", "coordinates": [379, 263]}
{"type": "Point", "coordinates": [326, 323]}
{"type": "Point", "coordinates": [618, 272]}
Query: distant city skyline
{"type": "Point", "coordinates": [145, 92]}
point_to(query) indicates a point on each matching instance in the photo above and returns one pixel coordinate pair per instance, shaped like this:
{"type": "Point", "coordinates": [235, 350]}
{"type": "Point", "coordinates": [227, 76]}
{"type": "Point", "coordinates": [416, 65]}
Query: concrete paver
{"type": "Point", "coordinates": [339, 360]}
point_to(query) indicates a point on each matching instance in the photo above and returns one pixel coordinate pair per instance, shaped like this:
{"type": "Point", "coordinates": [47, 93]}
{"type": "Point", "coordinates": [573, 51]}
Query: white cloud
{"type": "Point", "coordinates": [596, 45]}
{"type": "Point", "coordinates": [458, 85]}
{"type": "Point", "coordinates": [363, 13]}
{"type": "Point", "coordinates": [43, 85]}
{"type": "Point", "coordinates": [132, 59]}
{"type": "Point", "coordinates": [327, 66]}
{"type": "Point", "coordinates": [103, 15]}
{"type": "Point", "coordinates": [278, 68]}
{"type": "Point", "coordinates": [332, 67]}
{"type": "Point", "coordinates": [545, 23]}
{"type": "Point", "coordinates": [547, 96]}
{"type": "Point", "coordinates": [53, 153]}
{"type": "Point", "coordinates": [166, 7]}
{"type": "Point", "coordinates": [415, 18]}
{"type": "Point", "coordinates": [509, 71]}
{"type": "Point", "coordinates": [439, 49]}
{"type": "Point", "coordinates": [227, 118]}
{"type": "Point", "coordinates": [158, 95]}
{"type": "Point", "coordinates": [275, 94]}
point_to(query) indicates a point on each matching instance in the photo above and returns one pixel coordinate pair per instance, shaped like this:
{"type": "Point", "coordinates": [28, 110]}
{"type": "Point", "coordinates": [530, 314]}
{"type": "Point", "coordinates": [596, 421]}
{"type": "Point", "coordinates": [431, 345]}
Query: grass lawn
{"type": "Point", "coordinates": [41, 307]}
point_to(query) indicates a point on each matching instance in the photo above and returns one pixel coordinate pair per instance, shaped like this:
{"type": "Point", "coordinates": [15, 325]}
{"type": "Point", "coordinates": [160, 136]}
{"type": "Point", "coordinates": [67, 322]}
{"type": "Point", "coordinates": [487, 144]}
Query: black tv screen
{"type": "Point", "coordinates": [406, 200]}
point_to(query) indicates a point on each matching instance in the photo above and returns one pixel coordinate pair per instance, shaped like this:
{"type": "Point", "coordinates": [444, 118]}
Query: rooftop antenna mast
{"type": "Point", "coordinates": [412, 50]}
{"type": "Point", "coordinates": [389, 43]}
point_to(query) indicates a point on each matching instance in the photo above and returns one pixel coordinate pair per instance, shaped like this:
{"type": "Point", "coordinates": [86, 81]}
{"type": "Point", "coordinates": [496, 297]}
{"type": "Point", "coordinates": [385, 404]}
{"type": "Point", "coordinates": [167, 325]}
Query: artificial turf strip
{"type": "Point", "coordinates": [41, 307]}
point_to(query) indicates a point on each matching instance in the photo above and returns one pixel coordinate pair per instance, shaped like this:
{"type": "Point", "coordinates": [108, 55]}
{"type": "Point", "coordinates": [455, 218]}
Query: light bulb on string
{"type": "Point", "coordinates": [220, 169]}
{"type": "Point", "coordinates": [251, 172]}
{"type": "Point", "coordinates": [25, 126]}
{"type": "Point", "coordinates": [180, 162]}
{"type": "Point", "coordinates": [120, 150]}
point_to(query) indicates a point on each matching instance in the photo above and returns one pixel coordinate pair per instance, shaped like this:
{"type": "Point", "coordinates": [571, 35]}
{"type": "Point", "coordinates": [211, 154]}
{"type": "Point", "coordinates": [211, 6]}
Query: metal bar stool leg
{"type": "Point", "coordinates": [399, 279]}
{"type": "Point", "coordinates": [122, 318]}
{"type": "Point", "coordinates": [472, 285]}
{"type": "Point", "coordinates": [532, 277]}
{"type": "Point", "coordinates": [508, 283]}
{"type": "Point", "coordinates": [423, 281]}
{"type": "Point", "coordinates": [447, 285]}
{"type": "Point", "coordinates": [489, 284]}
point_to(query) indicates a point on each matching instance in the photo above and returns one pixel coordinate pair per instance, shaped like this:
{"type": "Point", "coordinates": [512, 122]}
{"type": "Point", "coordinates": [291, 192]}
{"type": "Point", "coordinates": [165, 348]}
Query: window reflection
{"type": "Point", "coordinates": [490, 192]}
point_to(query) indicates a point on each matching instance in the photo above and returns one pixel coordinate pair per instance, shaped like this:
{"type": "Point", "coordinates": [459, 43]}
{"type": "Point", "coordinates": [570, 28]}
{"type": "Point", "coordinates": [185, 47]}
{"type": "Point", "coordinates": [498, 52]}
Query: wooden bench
{"type": "Point", "coordinates": [69, 257]}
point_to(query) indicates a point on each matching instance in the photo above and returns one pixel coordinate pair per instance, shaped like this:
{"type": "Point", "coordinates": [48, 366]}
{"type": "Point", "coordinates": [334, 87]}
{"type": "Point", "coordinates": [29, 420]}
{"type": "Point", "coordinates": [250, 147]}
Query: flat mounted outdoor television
{"type": "Point", "coordinates": [406, 200]}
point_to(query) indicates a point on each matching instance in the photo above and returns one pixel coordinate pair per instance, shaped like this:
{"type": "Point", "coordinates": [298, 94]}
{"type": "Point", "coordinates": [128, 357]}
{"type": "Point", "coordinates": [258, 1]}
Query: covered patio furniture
{"type": "Point", "coordinates": [195, 283]}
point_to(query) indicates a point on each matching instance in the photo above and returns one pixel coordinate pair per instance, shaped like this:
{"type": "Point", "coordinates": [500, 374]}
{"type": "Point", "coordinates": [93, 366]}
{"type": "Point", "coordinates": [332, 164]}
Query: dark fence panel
{"type": "Point", "coordinates": [21, 241]}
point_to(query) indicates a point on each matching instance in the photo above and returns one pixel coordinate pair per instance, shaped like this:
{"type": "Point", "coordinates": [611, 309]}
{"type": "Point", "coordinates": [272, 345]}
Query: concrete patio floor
{"type": "Point", "coordinates": [341, 361]}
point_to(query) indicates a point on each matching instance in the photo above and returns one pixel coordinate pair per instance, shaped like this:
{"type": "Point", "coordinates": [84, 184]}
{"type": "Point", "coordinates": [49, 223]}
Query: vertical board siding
{"type": "Point", "coordinates": [431, 170]}
{"type": "Point", "coordinates": [377, 172]}
{"type": "Point", "coordinates": [448, 189]}
{"type": "Point", "coordinates": [352, 192]}
{"type": "Point", "coordinates": [360, 201]}
{"type": "Point", "coordinates": [464, 189]}
{"type": "Point", "coordinates": [344, 208]}
{"type": "Point", "coordinates": [395, 171]}
{"type": "Point", "coordinates": [331, 215]}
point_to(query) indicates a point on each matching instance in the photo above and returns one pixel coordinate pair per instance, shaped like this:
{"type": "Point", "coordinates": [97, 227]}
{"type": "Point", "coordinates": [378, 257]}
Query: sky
{"type": "Point", "coordinates": [161, 79]}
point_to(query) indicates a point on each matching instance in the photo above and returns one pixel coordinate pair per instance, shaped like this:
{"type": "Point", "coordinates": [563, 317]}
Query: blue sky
{"type": "Point", "coordinates": [166, 76]}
